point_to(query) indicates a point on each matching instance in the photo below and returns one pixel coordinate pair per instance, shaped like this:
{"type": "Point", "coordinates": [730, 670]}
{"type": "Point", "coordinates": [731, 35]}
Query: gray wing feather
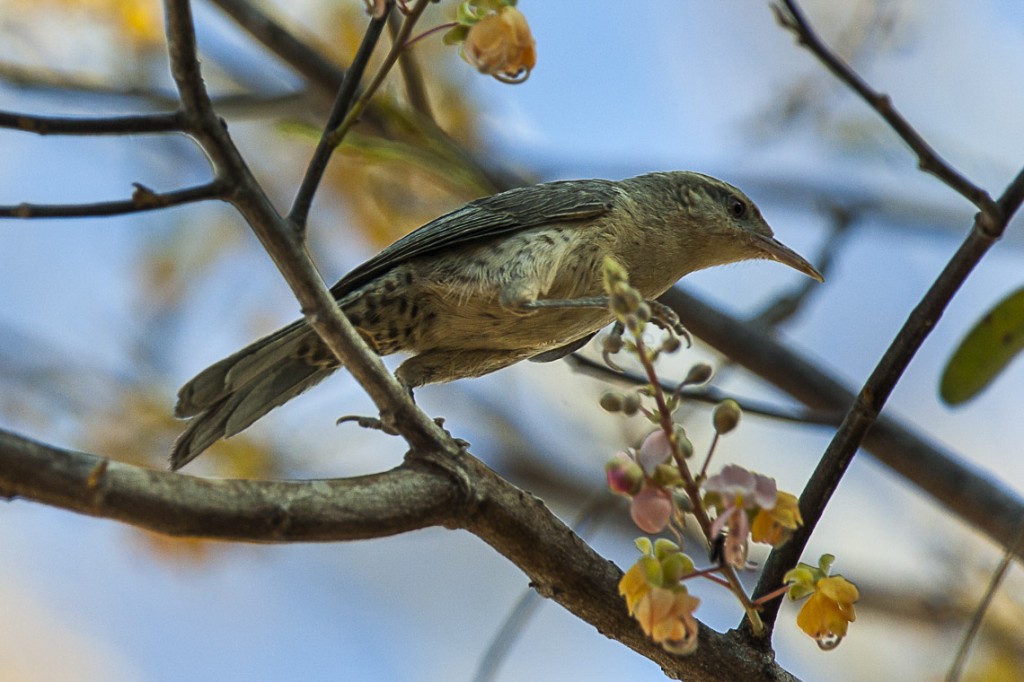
{"type": "Point", "coordinates": [512, 211]}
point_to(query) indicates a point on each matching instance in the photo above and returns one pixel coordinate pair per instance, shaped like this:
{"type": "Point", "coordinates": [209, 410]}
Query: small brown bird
{"type": "Point", "coordinates": [505, 278]}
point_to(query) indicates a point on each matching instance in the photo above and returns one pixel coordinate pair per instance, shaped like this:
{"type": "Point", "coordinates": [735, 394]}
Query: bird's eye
{"type": "Point", "coordinates": [738, 208]}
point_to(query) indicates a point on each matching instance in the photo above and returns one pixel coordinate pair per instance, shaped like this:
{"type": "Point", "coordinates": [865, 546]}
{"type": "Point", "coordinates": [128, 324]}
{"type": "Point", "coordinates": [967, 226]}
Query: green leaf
{"type": "Point", "coordinates": [986, 350]}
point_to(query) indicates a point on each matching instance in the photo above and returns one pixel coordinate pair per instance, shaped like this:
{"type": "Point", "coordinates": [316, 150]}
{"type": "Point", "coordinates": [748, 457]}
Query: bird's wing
{"type": "Point", "coordinates": [512, 211]}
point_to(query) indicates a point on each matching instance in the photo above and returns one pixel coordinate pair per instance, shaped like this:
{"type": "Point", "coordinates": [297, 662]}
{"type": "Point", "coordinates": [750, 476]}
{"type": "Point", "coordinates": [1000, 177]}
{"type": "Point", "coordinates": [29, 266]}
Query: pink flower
{"type": "Point", "coordinates": [747, 489]}
{"type": "Point", "coordinates": [732, 492]}
{"type": "Point", "coordinates": [624, 475]}
{"type": "Point", "coordinates": [654, 450]}
{"type": "Point", "coordinates": [651, 508]}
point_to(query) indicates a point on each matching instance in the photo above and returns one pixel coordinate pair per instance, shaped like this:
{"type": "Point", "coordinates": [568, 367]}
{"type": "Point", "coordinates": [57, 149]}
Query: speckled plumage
{"type": "Point", "coordinates": [455, 293]}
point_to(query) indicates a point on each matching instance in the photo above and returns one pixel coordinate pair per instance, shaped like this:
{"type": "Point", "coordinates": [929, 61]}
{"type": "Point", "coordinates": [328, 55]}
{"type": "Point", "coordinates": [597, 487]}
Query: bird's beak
{"type": "Point", "coordinates": [775, 250]}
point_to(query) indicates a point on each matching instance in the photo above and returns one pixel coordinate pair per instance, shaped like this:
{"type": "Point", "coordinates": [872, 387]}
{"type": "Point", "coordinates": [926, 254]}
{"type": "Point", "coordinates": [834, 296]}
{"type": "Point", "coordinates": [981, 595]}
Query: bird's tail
{"type": "Point", "coordinates": [228, 396]}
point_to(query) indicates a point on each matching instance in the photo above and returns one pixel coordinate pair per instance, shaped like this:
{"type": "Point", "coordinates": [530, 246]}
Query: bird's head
{"type": "Point", "coordinates": [714, 222]}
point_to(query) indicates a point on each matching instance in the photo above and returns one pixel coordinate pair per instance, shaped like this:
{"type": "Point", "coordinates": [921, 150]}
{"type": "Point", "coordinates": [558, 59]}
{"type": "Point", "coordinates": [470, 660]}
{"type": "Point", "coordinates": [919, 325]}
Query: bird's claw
{"type": "Point", "coordinates": [383, 424]}
{"type": "Point", "coordinates": [667, 319]}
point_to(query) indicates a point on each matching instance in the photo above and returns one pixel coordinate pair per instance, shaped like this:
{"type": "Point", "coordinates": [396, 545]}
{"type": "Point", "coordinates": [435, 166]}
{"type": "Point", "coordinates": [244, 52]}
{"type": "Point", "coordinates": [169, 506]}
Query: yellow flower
{"type": "Point", "coordinates": [635, 583]}
{"type": "Point", "coordinates": [501, 45]}
{"type": "Point", "coordinates": [829, 611]}
{"type": "Point", "coordinates": [667, 618]}
{"type": "Point", "coordinates": [655, 597]}
{"type": "Point", "coordinates": [775, 526]}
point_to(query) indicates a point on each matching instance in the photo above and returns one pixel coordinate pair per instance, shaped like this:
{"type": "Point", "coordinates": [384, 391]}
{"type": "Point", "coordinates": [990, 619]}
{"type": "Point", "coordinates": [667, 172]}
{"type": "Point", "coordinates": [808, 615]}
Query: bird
{"type": "Point", "coordinates": [508, 277]}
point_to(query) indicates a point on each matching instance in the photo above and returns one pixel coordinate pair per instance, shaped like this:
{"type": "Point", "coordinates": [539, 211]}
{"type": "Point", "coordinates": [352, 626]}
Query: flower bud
{"type": "Point", "coordinates": [683, 442]}
{"type": "Point", "coordinates": [698, 374]}
{"type": "Point", "coordinates": [643, 311]}
{"type": "Point", "coordinates": [682, 501]}
{"type": "Point", "coordinates": [626, 300]}
{"type": "Point", "coordinates": [726, 416]}
{"type": "Point", "coordinates": [666, 475]}
{"type": "Point", "coordinates": [671, 343]}
{"type": "Point", "coordinates": [664, 547]}
{"type": "Point", "coordinates": [654, 450]}
{"type": "Point", "coordinates": [612, 401]}
{"type": "Point", "coordinates": [630, 403]}
{"type": "Point", "coordinates": [675, 567]}
{"type": "Point", "coordinates": [624, 477]}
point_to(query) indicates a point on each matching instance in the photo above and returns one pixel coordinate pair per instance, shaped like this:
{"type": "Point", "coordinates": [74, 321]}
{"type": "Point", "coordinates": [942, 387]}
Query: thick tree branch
{"type": "Point", "coordinates": [379, 505]}
{"type": "Point", "coordinates": [559, 564]}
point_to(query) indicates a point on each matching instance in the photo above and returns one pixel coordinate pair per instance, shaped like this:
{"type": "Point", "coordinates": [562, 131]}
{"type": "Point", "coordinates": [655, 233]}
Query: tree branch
{"type": "Point", "coordinates": [342, 104]}
{"type": "Point", "coordinates": [960, 489]}
{"type": "Point", "coordinates": [397, 501]}
{"type": "Point", "coordinates": [143, 199]}
{"type": "Point", "coordinates": [112, 125]}
{"type": "Point", "coordinates": [559, 564]}
{"type": "Point", "coordinates": [308, 62]}
{"type": "Point", "coordinates": [791, 17]}
{"type": "Point", "coordinates": [987, 229]}
{"type": "Point", "coordinates": [287, 249]}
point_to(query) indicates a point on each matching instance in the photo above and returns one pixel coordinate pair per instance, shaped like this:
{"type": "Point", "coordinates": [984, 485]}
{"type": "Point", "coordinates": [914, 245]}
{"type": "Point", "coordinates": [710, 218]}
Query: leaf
{"type": "Point", "coordinates": [986, 350]}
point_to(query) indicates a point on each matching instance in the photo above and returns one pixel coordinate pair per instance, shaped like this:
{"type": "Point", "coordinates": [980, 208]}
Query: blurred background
{"type": "Point", "coordinates": [101, 320]}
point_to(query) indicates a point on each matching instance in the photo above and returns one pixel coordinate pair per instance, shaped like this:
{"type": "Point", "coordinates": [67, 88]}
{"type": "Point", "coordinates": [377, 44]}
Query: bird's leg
{"type": "Point", "coordinates": [382, 424]}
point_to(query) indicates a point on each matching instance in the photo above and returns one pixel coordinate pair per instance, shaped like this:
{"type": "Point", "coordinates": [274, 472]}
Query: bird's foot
{"type": "Point", "coordinates": [383, 424]}
{"type": "Point", "coordinates": [667, 319]}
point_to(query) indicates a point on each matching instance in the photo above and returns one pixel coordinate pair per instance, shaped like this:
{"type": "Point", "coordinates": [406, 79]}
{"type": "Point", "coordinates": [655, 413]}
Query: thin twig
{"type": "Point", "coordinates": [709, 395]}
{"type": "Point", "coordinates": [956, 669]}
{"type": "Point", "coordinates": [874, 394]}
{"type": "Point", "coordinates": [790, 16]}
{"type": "Point", "coordinates": [691, 485]}
{"type": "Point", "coordinates": [412, 74]}
{"type": "Point", "coordinates": [951, 482]}
{"type": "Point", "coordinates": [397, 48]}
{"type": "Point", "coordinates": [50, 81]}
{"type": "Point", "coordinates": [143, 199]}
{"type": "Point", "coordinates": [108, 125]}
{"type": "Point", "coordinates": [311, 64]}
{"type": "Point", "coordinates": [342, 105]}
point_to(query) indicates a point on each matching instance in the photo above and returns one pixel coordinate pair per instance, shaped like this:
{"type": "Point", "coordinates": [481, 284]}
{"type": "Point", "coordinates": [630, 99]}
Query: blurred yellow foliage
{"type": "Point", "coordinates": [398, 169]}
{"type": "Point", "coordinates": [139, 20]}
